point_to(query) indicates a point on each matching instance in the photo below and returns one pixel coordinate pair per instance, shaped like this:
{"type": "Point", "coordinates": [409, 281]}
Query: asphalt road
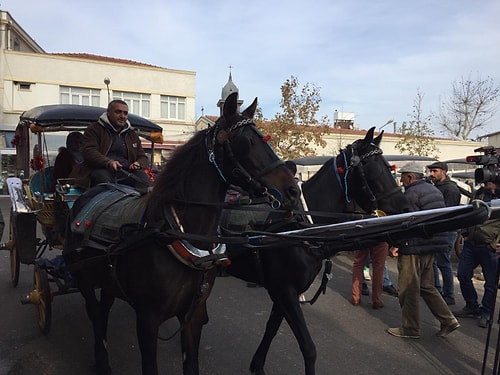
{"type": "Point", "coordinates": [349, 339]}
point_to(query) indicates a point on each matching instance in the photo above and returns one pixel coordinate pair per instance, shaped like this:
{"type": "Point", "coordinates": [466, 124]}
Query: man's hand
{"type": "Point", "coordinates": [114, 165]}
{"type": "Point", "coordinates": [135, 166]}
{"type": "Point", "coordinates": [393, 251]}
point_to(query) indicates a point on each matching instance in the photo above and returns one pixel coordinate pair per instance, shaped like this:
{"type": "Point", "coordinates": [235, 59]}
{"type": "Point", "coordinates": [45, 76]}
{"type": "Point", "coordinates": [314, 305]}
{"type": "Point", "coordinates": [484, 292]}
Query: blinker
{"type": "Point", "coordinates": [355, 159]}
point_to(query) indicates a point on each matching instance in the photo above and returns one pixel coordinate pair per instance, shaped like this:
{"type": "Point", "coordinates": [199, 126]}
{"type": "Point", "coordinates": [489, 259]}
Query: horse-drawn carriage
{"type": "Point", "coordinates": [182, 212]}
{"type": "Point", "coordinates": [40, 204]}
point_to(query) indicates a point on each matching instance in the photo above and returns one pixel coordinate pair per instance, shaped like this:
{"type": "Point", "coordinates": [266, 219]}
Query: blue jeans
{"type": "Point", "coordinates": [442, 262]}
{"type": "Point", "coordinates": [387, 279]}
{"type": "Point", "coordinates": [470, 258]}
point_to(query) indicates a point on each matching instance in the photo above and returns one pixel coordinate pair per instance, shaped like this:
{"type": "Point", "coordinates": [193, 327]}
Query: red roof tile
{"type": "Point", "coordinates": [88, 56]}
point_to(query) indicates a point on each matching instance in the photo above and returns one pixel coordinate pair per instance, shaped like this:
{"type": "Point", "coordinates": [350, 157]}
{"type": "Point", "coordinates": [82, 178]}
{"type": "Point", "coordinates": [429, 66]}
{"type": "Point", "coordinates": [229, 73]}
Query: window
{"type": "Point", "coordinates": [23, 86]}
{"type": "Point", "coordinates": [79, 95]}
{"type": "Point", "coordinates": [138, 104]}
{"type": "Point", "coordinates": [173, 107]}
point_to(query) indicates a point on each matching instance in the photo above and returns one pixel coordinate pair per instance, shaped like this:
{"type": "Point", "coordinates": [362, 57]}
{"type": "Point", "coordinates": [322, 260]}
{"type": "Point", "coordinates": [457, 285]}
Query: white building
{"type": "Point", "coordinates": [30, 76]}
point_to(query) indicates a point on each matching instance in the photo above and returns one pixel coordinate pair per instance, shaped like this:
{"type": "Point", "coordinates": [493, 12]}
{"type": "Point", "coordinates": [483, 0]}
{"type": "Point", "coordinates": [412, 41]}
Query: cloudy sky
{"type": "Point", "coordinates": [368, 57]}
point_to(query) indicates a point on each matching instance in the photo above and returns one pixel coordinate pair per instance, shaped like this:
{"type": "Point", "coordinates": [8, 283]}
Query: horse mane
{"type": "Point", "coordinates": [171, 183]}
{"type": "Point", "coordinates": [325, 168]}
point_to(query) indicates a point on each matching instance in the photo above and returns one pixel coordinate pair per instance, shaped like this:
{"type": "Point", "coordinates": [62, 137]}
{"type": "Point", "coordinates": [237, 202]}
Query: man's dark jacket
{"type": "Point", "coordinates": [450, 191]}
{"type": "Point", "coordinates": [424, 196]}
{"type": "Point", "coordinates": [97, 140]}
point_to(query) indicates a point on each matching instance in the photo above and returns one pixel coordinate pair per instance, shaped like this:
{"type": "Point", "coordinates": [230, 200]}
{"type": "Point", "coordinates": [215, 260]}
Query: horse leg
{"type": "Point", "coordinates": [290, 306]}
{"type": "Point", "coordinates": [147, 325]}
{"type": "Point", "coordinates": [107, 300]}
{"type": "Point", "coordinates": [272, 326]}
{"type": "Point", "coordinates": [96, 311]}
{"type": "Point", "coordinates": [190, 339]}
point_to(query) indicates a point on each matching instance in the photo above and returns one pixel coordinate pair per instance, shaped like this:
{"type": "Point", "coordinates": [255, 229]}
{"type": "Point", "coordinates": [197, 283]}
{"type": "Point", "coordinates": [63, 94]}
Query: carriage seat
{"type": "Point", "coordinates": [42, 182]}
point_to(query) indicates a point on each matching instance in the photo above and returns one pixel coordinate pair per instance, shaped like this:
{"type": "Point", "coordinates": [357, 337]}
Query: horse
{"type": "Point", "coordinates": [181, 212]}
{"type": "Point", "coordinates": [359, 173]}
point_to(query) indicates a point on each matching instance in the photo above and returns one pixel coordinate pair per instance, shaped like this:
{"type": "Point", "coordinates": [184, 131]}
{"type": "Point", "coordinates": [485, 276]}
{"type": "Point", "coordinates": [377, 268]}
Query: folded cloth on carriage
{"type": "Point", "coordinates": [102, 219]}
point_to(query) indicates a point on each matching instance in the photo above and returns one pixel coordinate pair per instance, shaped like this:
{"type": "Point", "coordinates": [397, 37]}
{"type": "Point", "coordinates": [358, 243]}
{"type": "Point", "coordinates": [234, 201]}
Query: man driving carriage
{"type": "Point", "coordinates": [110, 145]}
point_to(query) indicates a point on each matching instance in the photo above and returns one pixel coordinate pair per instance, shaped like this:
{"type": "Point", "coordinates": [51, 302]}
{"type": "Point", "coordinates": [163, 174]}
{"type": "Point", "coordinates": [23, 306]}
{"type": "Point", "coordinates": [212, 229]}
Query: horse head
{"type": "Point", "coordinates": [367, 178]}
{"type": "Point", "coordinates": [243, 157]}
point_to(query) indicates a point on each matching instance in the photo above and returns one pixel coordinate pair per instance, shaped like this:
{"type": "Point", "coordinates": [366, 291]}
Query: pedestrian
{"type": "Point", "coordinates": [387, 284]}
{"type": "Point", "coordinates": [378, 254]}
{"type": "Point", "coordinates": [481, 244]}
{"type": "Point", "coordinates": [415, 258]}
{"type": "Point", "coordinates": [442, 262]}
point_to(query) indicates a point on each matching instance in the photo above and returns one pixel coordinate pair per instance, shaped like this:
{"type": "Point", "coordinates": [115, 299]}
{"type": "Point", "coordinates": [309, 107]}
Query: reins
{"type": "Point", "coordinates": [211, 140]}
{"type": "Point", "coordinates": [356, 164]}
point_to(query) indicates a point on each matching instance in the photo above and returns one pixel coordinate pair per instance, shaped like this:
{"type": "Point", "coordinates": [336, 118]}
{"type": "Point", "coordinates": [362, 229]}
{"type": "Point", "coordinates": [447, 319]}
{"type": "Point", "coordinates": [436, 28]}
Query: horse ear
{"type": "Point", "coordinates": [378, 139]}
{"type": "Point", "coordinates": [250, 111]}
{"type": "Point", "coordinates": [230, 104]}
{"type": "Point", "coordinates": [368, 138]}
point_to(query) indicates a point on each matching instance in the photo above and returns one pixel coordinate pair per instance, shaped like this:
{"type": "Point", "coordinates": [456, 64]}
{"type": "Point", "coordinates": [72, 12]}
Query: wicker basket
{"type": "Point", "coordinates": [47, 215]}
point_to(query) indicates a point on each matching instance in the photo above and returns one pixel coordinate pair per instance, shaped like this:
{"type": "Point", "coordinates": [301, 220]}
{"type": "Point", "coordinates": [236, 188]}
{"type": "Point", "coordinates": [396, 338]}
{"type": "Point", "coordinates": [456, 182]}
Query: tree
{"type": "Point", "coordinates": [470, 106]}
{"type": "Point", "coordinates": [296, 131]}
{"type": "Point", "coordinates": [417, 133]}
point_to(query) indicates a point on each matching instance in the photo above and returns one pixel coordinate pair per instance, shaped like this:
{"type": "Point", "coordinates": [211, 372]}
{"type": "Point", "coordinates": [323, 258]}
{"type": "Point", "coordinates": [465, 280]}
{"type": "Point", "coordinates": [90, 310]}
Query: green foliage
{"type": "Point", "coordinates": [295, 131]}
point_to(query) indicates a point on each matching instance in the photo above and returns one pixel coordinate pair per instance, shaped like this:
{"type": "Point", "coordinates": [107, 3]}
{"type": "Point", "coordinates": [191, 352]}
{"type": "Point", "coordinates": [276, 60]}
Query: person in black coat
{"type": "Point", "coordinates": [415, 259]}
{"type": "Point", "coordinates": [442, 262]}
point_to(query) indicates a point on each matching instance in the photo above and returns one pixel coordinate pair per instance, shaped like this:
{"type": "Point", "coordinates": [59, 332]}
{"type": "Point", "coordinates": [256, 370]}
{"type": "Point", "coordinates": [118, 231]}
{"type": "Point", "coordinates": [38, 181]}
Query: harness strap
{"type": "Point", "coordinates": [327, 275]}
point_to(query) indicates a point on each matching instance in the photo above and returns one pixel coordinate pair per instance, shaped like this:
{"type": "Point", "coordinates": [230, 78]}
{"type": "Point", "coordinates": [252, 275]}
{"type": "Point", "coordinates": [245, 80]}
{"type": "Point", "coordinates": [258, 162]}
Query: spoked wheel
{"type": "Point", "coordinates": [14, 256]}
{"type": "Point", "coordinates": [41, 297]}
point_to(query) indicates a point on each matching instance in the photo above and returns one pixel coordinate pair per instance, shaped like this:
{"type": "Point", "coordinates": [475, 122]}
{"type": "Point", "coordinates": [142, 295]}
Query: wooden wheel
{"type": "Point", "coordinates": [14, 256]}
{"type": "Point", "coordinates": [41, 297]}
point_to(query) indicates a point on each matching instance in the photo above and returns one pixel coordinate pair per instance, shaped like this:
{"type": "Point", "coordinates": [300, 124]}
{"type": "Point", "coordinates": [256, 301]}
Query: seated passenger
{"type": "Point", "coordinates": [110, 145]}
{"type": "Point", "coordinates": [68, 156]}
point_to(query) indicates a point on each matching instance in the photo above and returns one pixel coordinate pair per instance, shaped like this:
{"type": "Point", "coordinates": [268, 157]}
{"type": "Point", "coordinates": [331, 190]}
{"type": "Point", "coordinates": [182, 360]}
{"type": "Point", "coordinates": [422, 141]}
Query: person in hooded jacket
{"type": "Point", "coordinates": [110, 145]}
{"type": "Point", "coordinates": [415, 259]}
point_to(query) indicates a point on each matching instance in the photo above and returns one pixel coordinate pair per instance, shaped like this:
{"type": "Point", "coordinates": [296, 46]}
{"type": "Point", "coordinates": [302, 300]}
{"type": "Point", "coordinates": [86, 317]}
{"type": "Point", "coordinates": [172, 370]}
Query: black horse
{"type": "Point", "coordinates": [184, 205]}
{"type": "Point", "coordinates": [359, 173]}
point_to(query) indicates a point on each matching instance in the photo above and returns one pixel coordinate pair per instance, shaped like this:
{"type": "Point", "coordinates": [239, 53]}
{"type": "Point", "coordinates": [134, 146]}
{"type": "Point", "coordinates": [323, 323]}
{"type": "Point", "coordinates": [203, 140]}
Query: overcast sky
{"type": "Point", "coordinates": [368, 57]}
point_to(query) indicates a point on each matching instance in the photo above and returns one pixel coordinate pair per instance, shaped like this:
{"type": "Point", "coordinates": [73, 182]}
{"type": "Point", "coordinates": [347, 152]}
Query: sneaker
{"type": "Point", "coordinates": [366, 274]}
{"type": "Point", "coordinates": [446, 330]}
{"type": "Point", "coordinates": [391, 290]}
{"type": "Point", "coordinates": [398, 332]}
{"type": "Point", "coordinates": [364, 290]}
{"type": "Point", "coordinates": [468, 312]}
{"type": "Point", "coordinates": [302, 298]}
{"type": "Point", "coordinates": [484, 321]}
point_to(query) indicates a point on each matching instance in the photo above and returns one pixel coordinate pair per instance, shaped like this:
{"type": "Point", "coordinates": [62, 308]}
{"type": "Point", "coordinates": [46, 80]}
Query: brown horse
{"type": "Point", "coordinates": [359, 173]}
{"type": "Point", "coordinates": [185, 203]}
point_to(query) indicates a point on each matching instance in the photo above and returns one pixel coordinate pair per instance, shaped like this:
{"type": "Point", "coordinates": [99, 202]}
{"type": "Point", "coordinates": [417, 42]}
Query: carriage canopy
{"type": "Point", "coordinates": [66, 118]}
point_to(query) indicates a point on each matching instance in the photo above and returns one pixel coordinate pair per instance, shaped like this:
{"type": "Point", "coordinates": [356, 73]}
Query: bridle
{"type": "Point", "coordinates": [353, 162]}
{"type": "Point", "coordinates": [216, 135]}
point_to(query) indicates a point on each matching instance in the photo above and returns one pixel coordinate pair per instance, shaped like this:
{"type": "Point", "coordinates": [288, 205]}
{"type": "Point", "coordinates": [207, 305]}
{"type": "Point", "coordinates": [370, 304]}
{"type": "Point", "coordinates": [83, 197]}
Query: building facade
{"type": "Point", "coordinates": [31, 77]}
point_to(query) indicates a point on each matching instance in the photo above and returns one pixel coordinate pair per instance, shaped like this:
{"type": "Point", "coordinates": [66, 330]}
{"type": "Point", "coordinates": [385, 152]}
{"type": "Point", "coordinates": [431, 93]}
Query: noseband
{"type": "Point", "coordinates": [274, 196]}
